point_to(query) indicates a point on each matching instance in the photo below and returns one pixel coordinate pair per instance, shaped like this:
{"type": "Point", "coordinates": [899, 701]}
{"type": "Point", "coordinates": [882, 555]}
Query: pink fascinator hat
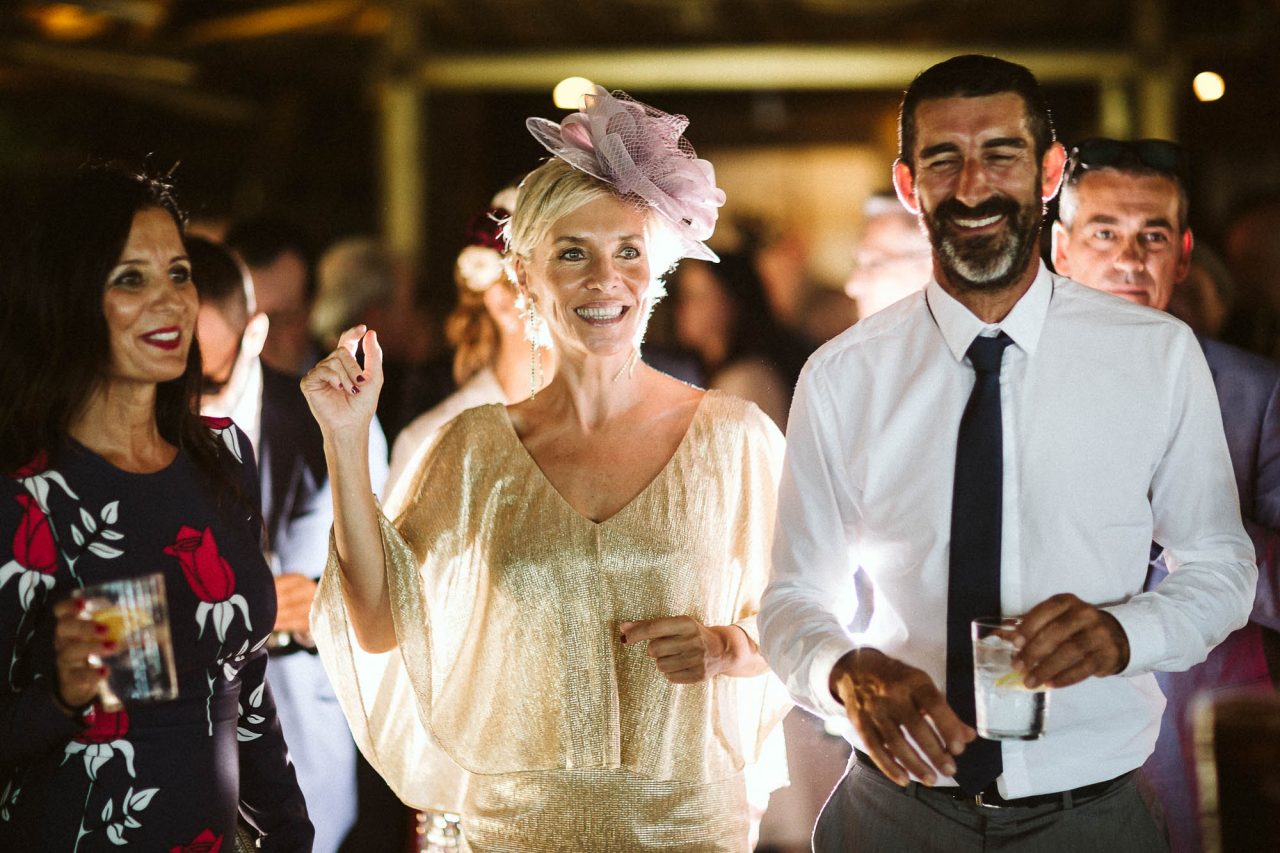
{"type": "Point", "coordinates": [641, 152]}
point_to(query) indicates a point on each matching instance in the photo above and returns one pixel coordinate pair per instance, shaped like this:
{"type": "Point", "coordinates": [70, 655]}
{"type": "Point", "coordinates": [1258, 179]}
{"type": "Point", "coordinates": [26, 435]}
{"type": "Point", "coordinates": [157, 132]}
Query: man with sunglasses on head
{"type": "Point", "coordinates": [998, 445]}
{"type": "Point", "coordinates": [1122, 228]}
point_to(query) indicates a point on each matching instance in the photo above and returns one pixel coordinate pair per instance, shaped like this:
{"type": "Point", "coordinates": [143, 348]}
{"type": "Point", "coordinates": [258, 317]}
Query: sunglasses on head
{"type": "Point", "coordinates": [1158, 154]}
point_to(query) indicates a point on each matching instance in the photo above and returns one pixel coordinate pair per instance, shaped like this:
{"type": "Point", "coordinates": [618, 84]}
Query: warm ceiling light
{"type": "Point", "coordinates": [1208, 86]}
{"type": "Point", "coordinates": [570, 91]}
{"type": "Point", "coordinates": [67, 21]}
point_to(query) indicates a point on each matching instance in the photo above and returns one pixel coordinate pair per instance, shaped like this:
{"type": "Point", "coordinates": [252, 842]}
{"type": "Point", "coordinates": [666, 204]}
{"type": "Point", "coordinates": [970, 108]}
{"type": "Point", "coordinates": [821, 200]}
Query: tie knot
{"type": "Point", "coordinates": [985, 353]}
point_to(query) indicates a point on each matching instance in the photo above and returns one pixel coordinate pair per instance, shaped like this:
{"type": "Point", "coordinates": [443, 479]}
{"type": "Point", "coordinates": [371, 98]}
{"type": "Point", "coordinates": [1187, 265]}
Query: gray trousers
{"type": "Point", "coordinates": [867, 813]}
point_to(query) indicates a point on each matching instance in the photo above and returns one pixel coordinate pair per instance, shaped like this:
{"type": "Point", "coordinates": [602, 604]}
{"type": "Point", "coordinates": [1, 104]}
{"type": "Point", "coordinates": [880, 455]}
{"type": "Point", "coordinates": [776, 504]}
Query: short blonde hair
{"type": "Point", "coordinates": [554, 190]}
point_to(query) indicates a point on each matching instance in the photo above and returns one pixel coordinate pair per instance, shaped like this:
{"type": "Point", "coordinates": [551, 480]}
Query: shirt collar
{"type": "Point", "coordinates": [1023, 324]}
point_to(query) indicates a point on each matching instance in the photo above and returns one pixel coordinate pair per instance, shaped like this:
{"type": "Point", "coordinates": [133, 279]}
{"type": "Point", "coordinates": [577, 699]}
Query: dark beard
{"type": "Point", "coordinates": [991, 262]}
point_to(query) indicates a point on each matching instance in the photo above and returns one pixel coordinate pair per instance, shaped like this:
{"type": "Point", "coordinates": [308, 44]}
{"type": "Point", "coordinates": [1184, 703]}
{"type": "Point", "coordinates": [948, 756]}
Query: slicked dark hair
{"type": "Point", "coordinates": [974, 76]}
{"type": "Point", "coordinates": [262, 240]}
{"type": "Point", "coordinates": [220, 277]}
{"type": "Point", "coordinates": [54, 341]}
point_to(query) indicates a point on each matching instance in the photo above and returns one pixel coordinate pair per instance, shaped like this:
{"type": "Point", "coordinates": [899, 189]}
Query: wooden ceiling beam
{"type": "Point", "coordinates": [101, 63]}
{"type": "Point", "coordinates": [359, 15]}
{"type": "Point", "coordinates": [749, 68]}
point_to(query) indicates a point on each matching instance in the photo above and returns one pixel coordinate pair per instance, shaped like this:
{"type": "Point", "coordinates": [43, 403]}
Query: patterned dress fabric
{"type": "Point", "coordinates": [169, 776]}
{"type": "Point", "coordinates": [509, 673]}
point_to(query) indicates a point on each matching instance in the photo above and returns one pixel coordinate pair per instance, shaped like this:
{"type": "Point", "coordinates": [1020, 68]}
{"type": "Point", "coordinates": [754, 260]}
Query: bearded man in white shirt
{"type": "Point", "coordinates": [1044, 508]}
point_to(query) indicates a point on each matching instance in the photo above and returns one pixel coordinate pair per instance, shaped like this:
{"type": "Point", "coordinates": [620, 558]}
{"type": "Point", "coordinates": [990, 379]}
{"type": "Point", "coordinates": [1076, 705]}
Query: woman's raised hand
{"type": "Point", "coordinates": [343, 396]}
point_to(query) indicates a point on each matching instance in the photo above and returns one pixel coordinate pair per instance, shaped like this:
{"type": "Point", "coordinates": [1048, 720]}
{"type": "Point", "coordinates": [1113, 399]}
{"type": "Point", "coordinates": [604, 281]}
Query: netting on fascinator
{"type": "Point", "coordinates": [641, 151]}
{"type": "Point", "coordinates": [482, 260]}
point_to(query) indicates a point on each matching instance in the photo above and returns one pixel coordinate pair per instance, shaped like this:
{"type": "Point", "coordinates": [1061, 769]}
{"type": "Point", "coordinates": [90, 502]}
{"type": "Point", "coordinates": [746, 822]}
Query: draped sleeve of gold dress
{"type": "Point", "coordinates": [510, 697]}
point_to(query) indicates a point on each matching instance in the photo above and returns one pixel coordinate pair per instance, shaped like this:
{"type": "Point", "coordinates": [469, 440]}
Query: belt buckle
{"type": "Point", "coordinates": [977, 801]}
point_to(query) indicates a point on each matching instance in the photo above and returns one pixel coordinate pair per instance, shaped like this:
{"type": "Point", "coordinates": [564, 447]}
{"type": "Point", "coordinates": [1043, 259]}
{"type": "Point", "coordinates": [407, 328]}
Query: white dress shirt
{"type": "Point", "coordinates": [1112, 438]}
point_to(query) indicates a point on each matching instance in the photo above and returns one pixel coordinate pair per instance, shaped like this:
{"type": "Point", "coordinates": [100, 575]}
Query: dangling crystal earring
{"type": "Point", "coordinates": [535, 352]}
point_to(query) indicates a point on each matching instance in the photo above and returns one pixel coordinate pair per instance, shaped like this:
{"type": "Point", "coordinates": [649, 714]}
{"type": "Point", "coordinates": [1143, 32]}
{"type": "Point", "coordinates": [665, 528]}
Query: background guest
{"type": "Point", "coordinates": [360, 280]}
{"type": "Point", "coordinates": [892, 259]}
{"type": "Point", "coordinates": [280, 263]}
{"type": "Point", "coordinates": [723, 315]}
{"type": "Point", "coordinates": [1252, 252]}
{"type": "Point", "coordinates": [1203, 299]}
{"type": "Point", "coordinates": [1123, 229]}
{"type": "Point", "coordinates": [298, 512]}
{"type": "Point", "coordinates": [496, 358]}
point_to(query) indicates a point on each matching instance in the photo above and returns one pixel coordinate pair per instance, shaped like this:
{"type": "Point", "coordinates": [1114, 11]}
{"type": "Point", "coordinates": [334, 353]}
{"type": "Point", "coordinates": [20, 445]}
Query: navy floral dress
{"type": "Point", "coordinates": [169, 776]}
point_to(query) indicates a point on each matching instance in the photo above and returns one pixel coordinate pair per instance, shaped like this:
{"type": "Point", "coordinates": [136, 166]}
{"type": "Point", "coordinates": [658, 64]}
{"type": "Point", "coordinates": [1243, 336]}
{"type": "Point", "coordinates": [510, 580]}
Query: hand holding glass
{"type": "Point", "coordinates": [136, 616]}
{"type": "Point", "coordinates": [1006, 708]}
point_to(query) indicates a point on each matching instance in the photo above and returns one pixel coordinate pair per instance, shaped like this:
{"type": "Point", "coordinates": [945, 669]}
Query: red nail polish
{"type": "Point", "coordinates": [355, 390]}
{"type": "Point", "coordinates": [79, 604]}
{"type": "Point", "coordinates": [102, 670]}
{"type": "Point", "coordinates": [101, 630]}
{"type": "Point", "coordinates": [111, 645]}
{"type": "Point", "coordinates": [624, 639]}
{"type": "Point", "coordinates": [360, 378]}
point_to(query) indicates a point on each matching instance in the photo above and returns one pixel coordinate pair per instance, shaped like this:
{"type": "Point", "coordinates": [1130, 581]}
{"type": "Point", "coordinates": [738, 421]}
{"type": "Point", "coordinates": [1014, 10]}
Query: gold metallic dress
{"type": "Point", "coordinates": [510, 697]}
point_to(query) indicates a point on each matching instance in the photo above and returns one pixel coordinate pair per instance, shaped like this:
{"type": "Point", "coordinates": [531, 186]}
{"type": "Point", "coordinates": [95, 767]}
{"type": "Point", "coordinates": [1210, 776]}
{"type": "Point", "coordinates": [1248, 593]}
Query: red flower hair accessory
{"type": "Point", "coordinates": [483, 260]}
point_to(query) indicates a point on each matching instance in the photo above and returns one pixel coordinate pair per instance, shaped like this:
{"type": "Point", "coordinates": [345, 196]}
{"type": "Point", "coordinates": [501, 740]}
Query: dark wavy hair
{"type": "Point", "coordinates": [54, 342]}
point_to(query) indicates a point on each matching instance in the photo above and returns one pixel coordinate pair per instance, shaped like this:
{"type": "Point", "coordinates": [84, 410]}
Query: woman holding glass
{"type": "Point", "coordinates": [565, 600]}
{"type": "Point", "coordinates": [112, 474]}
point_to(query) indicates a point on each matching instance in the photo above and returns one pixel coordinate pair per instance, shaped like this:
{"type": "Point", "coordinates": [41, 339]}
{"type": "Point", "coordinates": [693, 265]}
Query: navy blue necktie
{"type": "Point", "coordinates": [973, 588]}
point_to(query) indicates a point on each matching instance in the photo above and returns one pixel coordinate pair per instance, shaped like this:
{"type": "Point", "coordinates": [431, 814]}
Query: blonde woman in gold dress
{"type": "Point", "coordinates": [561, 600]}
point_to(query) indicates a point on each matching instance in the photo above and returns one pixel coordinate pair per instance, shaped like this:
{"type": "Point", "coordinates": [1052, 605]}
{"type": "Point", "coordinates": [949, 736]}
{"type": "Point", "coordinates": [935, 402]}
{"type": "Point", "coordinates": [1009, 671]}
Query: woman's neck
{"type": "Point", "coordinates": [118, 422]}
{"type": "Point", "coordinates": [594, 390]}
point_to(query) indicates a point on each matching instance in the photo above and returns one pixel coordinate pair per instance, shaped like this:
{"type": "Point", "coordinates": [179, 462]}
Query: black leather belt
{"type": "Point", "coordinates": [990, 796]}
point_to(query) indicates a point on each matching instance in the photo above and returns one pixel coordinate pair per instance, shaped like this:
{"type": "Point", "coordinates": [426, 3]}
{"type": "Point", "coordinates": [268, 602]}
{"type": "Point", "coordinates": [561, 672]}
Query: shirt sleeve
{"type": "Point", "coordinates": [31, 724]}
{"type": "Point", "coordinates": [270, 798]}
{"type": "Point", "coordinates": [811, 595]}
{"type": "Point", "coordinates": [1196, 518]}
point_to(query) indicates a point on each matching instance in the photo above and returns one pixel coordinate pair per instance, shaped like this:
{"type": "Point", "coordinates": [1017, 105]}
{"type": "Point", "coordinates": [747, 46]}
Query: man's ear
{"type": "Point", "coordinates": [1184, 262]}
{"type": "Point", "coordinates": [255, 335]}
{"type": "Point", "coordinates": [1061, 240]}
{"type": "Point", "coordinates": [904, 184]}
{"type": "Point", "coordinates": [1051, 168]}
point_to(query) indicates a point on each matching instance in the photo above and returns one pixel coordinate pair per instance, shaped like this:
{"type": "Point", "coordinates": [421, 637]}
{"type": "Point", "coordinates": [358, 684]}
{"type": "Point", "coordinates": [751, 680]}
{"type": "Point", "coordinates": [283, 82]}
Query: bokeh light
{"type": "Point", "coordinates": [569, 92]}
{"type": "Point", "coordinates": [1208, 86]}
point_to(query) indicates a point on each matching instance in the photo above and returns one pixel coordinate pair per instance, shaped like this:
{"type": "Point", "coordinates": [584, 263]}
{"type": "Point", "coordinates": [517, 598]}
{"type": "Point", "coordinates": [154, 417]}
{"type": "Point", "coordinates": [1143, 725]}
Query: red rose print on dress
{"type": "Point", "coordinates": [35, 478]}
{"type": "Point", "coordinates": [205, 842]}
{"type": "Point", "coordinates": [210, 578]}
{"type": "Point", "coordinates": [35, 555]}
{"type": "Point", "coordinates": [101, 740]}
